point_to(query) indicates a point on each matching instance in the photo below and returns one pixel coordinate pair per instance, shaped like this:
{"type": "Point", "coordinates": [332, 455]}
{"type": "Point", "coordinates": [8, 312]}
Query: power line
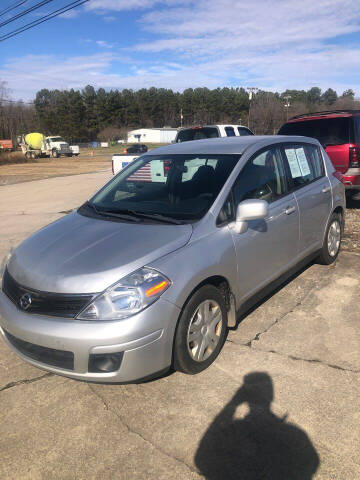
{"type": "Point", "coordinates": [43, 19]}
{"type": "Point", "coordinates": [25, 12]}
{"type": "Point", "coordinates": [12, 7]}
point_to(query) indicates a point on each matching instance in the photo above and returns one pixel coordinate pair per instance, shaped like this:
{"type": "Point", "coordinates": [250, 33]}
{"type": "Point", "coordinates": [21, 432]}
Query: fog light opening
{"type": "Point", "coordinates": [105, 362]}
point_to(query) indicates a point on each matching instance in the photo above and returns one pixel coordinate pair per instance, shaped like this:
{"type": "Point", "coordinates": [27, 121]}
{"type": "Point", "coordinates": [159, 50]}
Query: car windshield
{"type": "Point", "coordinates": [329, 131]}
{"type": "Point", "coordinates": [177, 186]}
{"type": "Point", "coordinates": [57, 139]}
{"type": "Point", "coordinates": [197, 133]}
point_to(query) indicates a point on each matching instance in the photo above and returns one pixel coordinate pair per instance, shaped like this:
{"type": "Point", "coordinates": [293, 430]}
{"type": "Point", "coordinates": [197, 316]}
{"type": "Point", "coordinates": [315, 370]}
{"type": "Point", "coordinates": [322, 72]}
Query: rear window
{"type": "Point", "coordinates": [329, 131]}
{"type": "Point", "coordinates": [197, 134]}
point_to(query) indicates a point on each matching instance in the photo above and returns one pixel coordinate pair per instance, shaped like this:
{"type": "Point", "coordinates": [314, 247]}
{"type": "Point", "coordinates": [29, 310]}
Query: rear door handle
{"type": "Point", "coordinates": [325, 189]}
{"type": "Point", "coordinates": [289, 210]}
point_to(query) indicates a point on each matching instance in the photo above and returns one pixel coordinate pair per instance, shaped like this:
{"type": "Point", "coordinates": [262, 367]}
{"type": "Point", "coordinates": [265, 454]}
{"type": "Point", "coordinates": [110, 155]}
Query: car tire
{"type": "Point", "coordinates": [332, 241]}
{"type": "Point", "coordinates": [201, 331]}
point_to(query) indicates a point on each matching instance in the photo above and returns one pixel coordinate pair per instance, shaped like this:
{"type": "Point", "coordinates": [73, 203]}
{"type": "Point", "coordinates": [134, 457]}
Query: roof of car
{"type": "Point", "coordinates": [227, 145]}
{"type": "Point", "coordinates": [324, 114]}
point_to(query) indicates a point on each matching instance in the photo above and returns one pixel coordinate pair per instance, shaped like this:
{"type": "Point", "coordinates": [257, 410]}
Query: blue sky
{"type": "Point", "coordinates": [271, 44]}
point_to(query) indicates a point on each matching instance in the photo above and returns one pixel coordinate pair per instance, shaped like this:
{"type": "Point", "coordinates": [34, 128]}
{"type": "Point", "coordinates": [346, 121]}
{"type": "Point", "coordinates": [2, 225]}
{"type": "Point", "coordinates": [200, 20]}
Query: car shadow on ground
{"type": "Point", "coordinates": [260, 445]}
{"type": "Point", "coordinates": [353, 201]}
{"type": "Point", "coordinates": [270, 290]}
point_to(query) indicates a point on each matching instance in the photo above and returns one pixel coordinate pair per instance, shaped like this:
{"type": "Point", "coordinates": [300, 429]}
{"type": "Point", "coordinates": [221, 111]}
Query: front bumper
{"type": "Point", "coordinates": [144, 340]}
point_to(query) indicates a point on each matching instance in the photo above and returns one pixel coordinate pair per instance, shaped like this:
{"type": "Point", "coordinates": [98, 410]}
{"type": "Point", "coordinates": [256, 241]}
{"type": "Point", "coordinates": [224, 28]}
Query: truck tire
{"type": "Point", "coordinates": [54, 154]}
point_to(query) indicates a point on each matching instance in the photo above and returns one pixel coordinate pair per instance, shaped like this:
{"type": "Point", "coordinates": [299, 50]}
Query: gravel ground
{"type": "Point", "coordinates": [351, 238]}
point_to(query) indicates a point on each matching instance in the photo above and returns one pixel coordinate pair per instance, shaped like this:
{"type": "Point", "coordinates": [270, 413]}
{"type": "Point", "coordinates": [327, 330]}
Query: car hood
{"type": "Point", "coordinates": [77, 254]}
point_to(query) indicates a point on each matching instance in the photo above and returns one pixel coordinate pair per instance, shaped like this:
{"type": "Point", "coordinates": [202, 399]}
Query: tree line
{"type": "Point", "coordinates": [97, 114]}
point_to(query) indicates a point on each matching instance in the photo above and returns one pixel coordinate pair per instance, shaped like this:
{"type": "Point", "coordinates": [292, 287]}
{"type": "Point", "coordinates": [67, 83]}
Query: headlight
{"type": "Point", "coordinates": [3, 264]}
{"type": "Point", "coordinates": [129, 296]}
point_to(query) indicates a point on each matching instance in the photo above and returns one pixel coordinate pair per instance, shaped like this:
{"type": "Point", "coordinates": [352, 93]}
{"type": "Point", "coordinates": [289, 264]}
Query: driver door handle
{"type": "Point", "coordinates": [289, 210]}
{"type": "Point", "coordinates": [325, 189]}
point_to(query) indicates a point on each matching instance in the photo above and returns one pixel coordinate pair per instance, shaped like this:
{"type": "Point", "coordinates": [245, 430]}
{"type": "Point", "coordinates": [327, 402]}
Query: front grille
{"type": "Point", "coordinates": [49, 356]}
{"type": "Point", "coordinates": [45, 303]}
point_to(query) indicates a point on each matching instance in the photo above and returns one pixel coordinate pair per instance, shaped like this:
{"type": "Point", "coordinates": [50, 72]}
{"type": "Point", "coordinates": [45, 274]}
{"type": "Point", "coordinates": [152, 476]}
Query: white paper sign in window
{"type": "Point", "coordinates": [303, 162]}
{"type": "Point", "coordinates": [293, 162]}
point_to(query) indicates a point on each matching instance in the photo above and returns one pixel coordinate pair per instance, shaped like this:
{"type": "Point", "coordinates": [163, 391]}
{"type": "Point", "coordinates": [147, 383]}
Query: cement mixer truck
{"type": "Point", "coordinates": [34, 145]}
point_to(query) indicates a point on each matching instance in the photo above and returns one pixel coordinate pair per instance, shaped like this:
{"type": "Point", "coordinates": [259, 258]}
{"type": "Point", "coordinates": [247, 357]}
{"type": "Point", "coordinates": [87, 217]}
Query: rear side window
{"type": "Point", "coordinates": [329, 131]}
{"type": "Point", "coordinates": [305, 163]}
{"type": "Point", "coordinates": [244, 131]}
{"type": "Point", "coordinates": [197, 134]}
{"type": "Point", "coordinates": [230, 132]}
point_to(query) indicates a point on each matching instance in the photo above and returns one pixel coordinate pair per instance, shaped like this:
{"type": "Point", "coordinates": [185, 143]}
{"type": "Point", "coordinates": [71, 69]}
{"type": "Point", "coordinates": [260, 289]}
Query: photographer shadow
{"type": "Point", "coordinates": [258, 446]}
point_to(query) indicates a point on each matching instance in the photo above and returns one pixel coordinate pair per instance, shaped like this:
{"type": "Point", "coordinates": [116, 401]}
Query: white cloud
{"type": "Point", "coordinates": [103, 43]}
{"type": "Point", "coordinates": [119, 5]}
{"type": "Point", "coordinates": [109, 18]}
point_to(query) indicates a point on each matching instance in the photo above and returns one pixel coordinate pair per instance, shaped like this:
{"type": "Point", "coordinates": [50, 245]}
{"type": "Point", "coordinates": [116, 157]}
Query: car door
{"type": "Point", "coordinates": [269, 246]}
{"type": "Point", "coordinates": [312, 191]}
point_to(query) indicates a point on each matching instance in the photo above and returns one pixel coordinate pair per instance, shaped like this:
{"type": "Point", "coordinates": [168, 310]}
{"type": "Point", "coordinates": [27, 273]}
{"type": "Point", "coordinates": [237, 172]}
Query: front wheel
{"type": "Point", "coordinates": [201, 331]}
{"type": "Point", "coordinates": [54, 154]}
{"type": "Point", "coordinates": [332, 241]}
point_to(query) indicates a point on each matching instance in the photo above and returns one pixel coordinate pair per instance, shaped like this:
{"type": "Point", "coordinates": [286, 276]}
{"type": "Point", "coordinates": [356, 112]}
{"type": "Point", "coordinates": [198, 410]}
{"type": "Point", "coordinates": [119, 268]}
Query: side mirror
{"type": "Point", "coordinates": [250, 210]}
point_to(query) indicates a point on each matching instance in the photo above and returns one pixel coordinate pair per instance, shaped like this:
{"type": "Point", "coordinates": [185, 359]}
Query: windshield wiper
{"type": "Point", "coordinates": [158, 216]}
{"type": "Point", "coordinates": [127, 215]}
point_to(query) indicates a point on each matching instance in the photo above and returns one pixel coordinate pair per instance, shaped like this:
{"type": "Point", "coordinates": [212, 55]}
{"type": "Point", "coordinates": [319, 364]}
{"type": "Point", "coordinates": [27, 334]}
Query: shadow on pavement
{"type": "Point", "coordinates": [258, 446]}
{"type": "Point", "coordinates": [353, 201]}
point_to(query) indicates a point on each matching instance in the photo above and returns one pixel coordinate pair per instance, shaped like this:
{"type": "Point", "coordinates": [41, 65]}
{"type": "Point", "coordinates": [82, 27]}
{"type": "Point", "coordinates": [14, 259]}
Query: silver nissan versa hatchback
{"type": "Point", "coordinates": [152, 271]}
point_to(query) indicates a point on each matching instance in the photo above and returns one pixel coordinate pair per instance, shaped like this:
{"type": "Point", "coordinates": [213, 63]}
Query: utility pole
{"type": "Point", "coordinates": [181, 118]}
{"type": "Point", "coordinates": [251, 93]}
{"type": "Point", "coordinates": [287, 105]}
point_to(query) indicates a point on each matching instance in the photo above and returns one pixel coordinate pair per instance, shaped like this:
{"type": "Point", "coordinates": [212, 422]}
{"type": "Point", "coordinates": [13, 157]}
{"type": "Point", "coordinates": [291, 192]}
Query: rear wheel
{"type": "Point", "coordinates": [332, 241]}
{"type": "Point", "coordinates": [201, 331]}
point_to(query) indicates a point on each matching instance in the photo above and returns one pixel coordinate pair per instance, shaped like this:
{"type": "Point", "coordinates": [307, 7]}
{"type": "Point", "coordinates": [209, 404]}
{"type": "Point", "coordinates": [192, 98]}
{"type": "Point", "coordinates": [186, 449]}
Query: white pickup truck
{"type": "Point", "coordinates": [119, 161]}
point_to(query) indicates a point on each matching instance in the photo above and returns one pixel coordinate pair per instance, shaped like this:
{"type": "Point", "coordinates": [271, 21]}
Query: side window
{"type": "Point", "coordinates": [305, 163]}
{"type": "Point", "coordinates": [230, 131]}
{"type": "Point", "coordinates": [243, 131]}
{"type": "Point", "coordinates": [262, 177]}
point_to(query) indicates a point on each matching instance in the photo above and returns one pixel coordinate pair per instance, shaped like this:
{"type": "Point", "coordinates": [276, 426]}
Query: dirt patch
{"type": "Point", "coordinates": [7, 158]}
{"type": "Point", "coordinates": [53, 167]}
{"type": "Point", "coordinates": [351, 238]}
